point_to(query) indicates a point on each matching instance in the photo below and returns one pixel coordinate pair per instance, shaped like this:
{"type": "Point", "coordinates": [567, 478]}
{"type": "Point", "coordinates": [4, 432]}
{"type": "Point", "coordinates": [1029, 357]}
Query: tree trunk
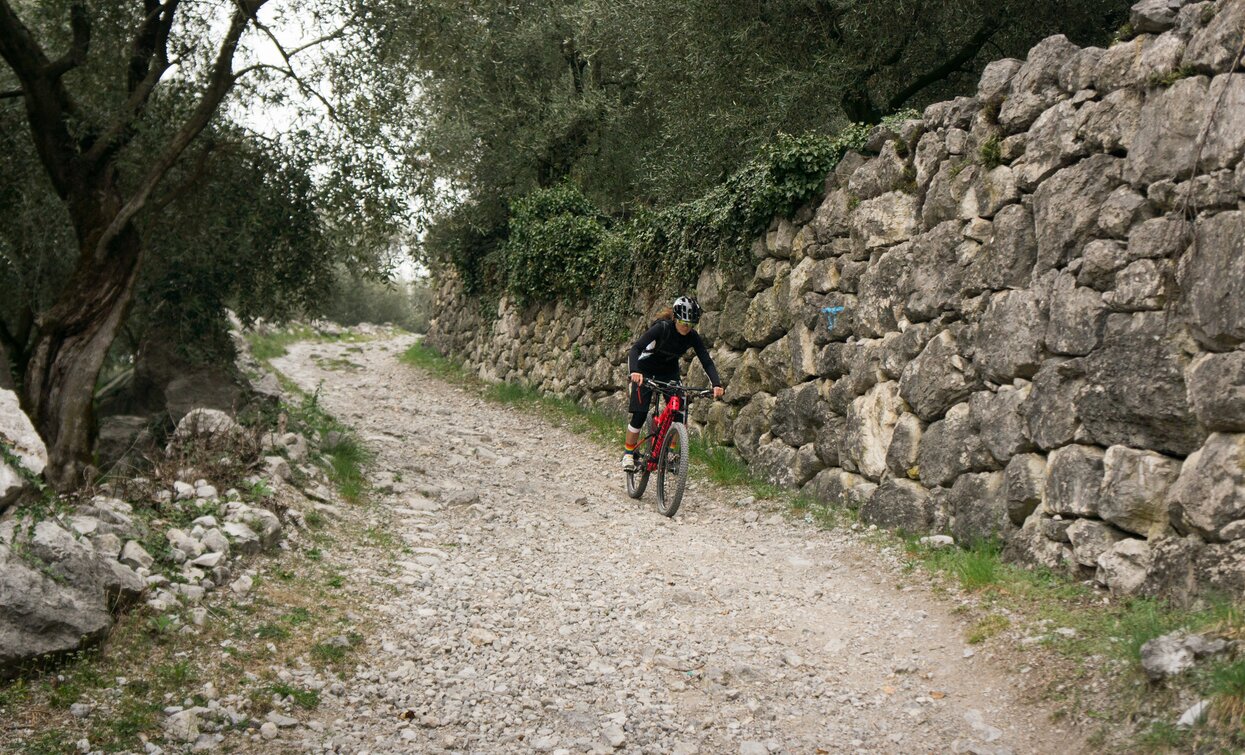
{"type": "Point", "coordinates": [69, 349]}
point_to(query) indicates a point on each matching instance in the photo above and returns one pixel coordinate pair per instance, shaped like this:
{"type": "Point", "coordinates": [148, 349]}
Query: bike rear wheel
{"type": "Point", "coordinates": [672, 470]}
{"type": "Point", "coordinates": [637, 480]}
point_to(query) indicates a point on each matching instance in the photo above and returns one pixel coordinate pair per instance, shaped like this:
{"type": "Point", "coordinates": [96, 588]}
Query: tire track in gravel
{"type": "Point", "coordinates": [539, 609]}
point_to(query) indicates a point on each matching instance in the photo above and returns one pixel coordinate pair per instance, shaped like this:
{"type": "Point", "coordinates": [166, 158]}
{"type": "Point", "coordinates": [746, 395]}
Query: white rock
{"type": "Point", "coordinates": [1193, 715]}
{"type": "Point", "coordinates": [135, 556]}
{"type": "Point", "coordinates": [183, 490]}
{"type": "Point", "coordinates": [269, 730]}
{"type": "Point", "coordinates": [182, 726]}
{"type": "Point", "coordinates": [242, 585]}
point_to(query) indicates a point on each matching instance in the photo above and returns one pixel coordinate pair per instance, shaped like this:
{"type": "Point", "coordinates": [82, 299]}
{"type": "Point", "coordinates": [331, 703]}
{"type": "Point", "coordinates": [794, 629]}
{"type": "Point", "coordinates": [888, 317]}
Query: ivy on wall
{"type": "Point", "coordinates": [559, 246]}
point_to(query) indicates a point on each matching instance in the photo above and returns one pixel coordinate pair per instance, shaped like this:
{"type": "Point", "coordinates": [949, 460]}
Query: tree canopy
{"type": "Point", "coordinates": [650, 103]}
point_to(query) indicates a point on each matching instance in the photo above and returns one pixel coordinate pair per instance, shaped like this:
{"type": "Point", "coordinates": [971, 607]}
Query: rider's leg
{"type": "Point", "coordinates": [638, 403]}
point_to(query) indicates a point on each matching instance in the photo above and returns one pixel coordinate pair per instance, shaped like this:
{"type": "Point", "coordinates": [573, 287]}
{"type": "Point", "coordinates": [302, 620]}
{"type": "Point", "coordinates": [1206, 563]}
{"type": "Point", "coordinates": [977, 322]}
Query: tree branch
{"type": "Point", "coordinates": [288, 56]}
{"type": "Point", "coordinates": [80, 23]}
{"type": "Point", "coordinates": [220, 81]}
{"type": "Point", "coordinates": [967, 52]}
{"type": "Point", "coordinates": [47, 101]}
{"type": "Point", "coordinates": [12, 94]}
{"type": "Point", "coordinates": [150, 41]}
{"type": "Point", "coordinates": [200, 170]}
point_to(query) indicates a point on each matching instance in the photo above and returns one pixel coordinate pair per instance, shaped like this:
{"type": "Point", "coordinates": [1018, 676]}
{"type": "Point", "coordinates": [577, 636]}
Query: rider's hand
{"type": "Point", "coordinates": [718, 391]}
{"type": "Point", "coordinates": [637, 378]}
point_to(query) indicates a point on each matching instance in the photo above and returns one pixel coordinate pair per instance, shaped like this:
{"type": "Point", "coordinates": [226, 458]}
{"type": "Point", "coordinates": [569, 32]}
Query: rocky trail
{"type": "Point", "coordinates": [538, 608]}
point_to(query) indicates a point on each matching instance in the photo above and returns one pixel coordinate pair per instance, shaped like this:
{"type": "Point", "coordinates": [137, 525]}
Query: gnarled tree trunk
{"type": "Point", "coordinates": [71, 343]}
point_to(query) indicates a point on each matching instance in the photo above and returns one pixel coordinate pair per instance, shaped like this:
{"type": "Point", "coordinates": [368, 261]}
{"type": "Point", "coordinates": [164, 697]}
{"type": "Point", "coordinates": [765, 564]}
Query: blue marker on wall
{"type": "Point", "coordinates": [832, 314]}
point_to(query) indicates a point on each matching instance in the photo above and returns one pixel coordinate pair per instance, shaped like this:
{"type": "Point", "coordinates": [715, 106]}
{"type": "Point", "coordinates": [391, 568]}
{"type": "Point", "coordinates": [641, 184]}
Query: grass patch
{"type": "Point", "coordinates": [988, 627]}
{"type": "Point", "coordinates": [346, 455]}
{"type": "Point", "coordinates": [975, 568]}
{"type": "Point", "coordinates": [1227, 686]}
{"type": "Point", "coordinates": [430, 360]}
{"type": "Point", "coordinates": [304, 698]}
{"type": "Point", "coordinates": [276, 343]}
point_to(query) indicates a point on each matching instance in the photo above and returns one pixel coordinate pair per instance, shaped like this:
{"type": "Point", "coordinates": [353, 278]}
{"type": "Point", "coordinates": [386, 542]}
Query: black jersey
{"type": "Point", "coordinates": [658, 351]}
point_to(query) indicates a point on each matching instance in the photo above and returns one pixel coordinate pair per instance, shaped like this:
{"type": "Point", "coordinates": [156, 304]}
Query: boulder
{"type": "Point", "coordinates": [773, 461]}
{"type": "Point", "coordinates": [1050, 409]}
{"type": "Point", "coordinates": [1134, 490]}
{"type": "Point", "coordinates": [899, 504]}
{"type": "Point", "coordinates": [1216, 385]}
{"type": "Point", "coordinates": [1123, 568]}
{"type": "Point", "coordinates": [244, 539]}
{"type": "Point", "coordinates": [1025, 480]}
{"type": "Point", "coordinates": [210, 426]}
{"type": "Point", "coordinates": [1090, 539]}
{"type": "Point", "coordinates": [885, 220]}
{"type": "Point", "coordinates": [1123, 210]}
{"type": "Point", "coordinates": [1073, 477]}
{"type": "Point", "coordinates": [881, 293]}
{"type": "Point", "coordinates": [1029, 546]}
{"type": "Point", "coordinates": [885, 173]}
{"type": "Point", "coordinates": [753, 375]}
{"type": "Point", "coordinates": [795, 413]}
{"type": "Point", "coordinates": [998, 418]}
{"type": "Point", "coordinates": [931, 152]}
{"type": "Point", "coordinates": [1211, 49]}
{"type": "Point", "coordinates": [1035, 86]}
{"type": "Point", "coordinates": [1172, 122]}
{"type": "Point", "coordinates": [995, 78]}
{"type": "Point", "coordinates": [1220, 568]}
{"type": "Point", "coordinates": [871, 420]}
{"type": "Point", "coordinates": [833, 486]}
{"type": "Point", "coordinates": [901, 456]}
{"type": "Point", "coordinates": [1141, 286]}
{"type": "Point", "coordinates": [20, 443]}
{"type": "Point", "coordinates": [1006, 260]}
{"type": "Point", "coordinates": [1211, 281]}
{"type": "Point", "coordinates": [40, 616]}
{"type": "Point", "coordinates": [768, 315]}
{"type": "Point", "coordinates": [936, 277]}
{"type": "Point", "coordinates": [753, 421]}
{"type": "Point", "coordinates": [1078, 72]}
{"type": "Point", "coordinates": [1135, 394]}
{"type": "Point", "coordinates": [938, 378]}
{"type": "Point", "coordinates": [1154, 16]}
{"type": "Point", "coordinates": [1065, 208]}
{"type": "Point", "coordinates": [1208, 497]}
{"type": "Point", "coordinates": [1077, 317]}
{"type": "Point", "coordinates": [829, 438]}
{"type": "Point", "coordinates": [1054, 142]}
{"type": "Point", "coordinates": [1101, 259]}
{"type": "Point", "coordinates": [951, 447]}
{"type": "Point", "coordinates": [978, 504]}
{"type": "Point", "coordinates": [1009, 339]}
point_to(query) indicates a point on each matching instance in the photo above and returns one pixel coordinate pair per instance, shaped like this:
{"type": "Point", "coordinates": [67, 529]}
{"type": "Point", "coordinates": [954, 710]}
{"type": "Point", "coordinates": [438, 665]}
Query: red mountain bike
{"type": "Point", "coordinates": [664, 448]}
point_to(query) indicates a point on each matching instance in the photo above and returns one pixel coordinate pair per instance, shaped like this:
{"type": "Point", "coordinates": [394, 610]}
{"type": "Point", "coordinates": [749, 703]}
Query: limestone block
{"type": "Point", "coordinates": [899, 504]}
{"type": "Point", "coordinates": [1216, 384]}
{"type": "Point", "coordinates": [1211, 281]}
{"type": "Point", "coordinates": [978, 505]}
{"type": "Point", "coordinates": [1090, 539]}
{"type": "Point", "coordinates": [1025, 478]}
{"type": "Point", "coordinates": [951, 447]}
{"type": "Point", "coordinates": [938, 378]}
{"type": "Point", "coordinates": [1134, 490]}
{"type": "Point", "coordinates": [1208, 497]}
{"type": "Point", "coordinates": [871, 420]}
{"type": "Point", "coordinates": [999, 420]}
{"type": "Point", "coordinates": [1009, 340]}
{"type": "Point", "coordinates": [1074, 475]}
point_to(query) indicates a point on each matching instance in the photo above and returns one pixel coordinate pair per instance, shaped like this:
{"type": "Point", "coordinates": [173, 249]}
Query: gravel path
{"type": "Point", "coordinates": [539, 609]}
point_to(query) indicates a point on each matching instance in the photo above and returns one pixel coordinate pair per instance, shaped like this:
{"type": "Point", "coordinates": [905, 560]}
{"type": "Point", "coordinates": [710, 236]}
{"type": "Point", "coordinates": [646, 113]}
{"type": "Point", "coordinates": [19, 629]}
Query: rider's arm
{"type": "Point", "coordinates": [706, 361]}
{"type": "Point", "coordinates": [637, 348]}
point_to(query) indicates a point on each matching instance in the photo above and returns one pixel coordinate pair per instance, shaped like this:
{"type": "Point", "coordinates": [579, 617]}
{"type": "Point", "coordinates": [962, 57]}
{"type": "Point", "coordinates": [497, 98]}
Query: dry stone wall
{"type": "Point", "coordinates": [1022, 318]}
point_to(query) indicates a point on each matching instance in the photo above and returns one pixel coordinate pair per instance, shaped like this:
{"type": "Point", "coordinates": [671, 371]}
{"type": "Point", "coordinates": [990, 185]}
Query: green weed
{"type": "Point", "coordinates": [1227, 684]}
{"type": "Point", "coordinates": [303, 698]}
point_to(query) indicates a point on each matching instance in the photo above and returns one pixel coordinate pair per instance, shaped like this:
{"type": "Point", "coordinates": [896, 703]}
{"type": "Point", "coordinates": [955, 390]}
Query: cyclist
{"type": "Point", "coordinates": [656, 355]}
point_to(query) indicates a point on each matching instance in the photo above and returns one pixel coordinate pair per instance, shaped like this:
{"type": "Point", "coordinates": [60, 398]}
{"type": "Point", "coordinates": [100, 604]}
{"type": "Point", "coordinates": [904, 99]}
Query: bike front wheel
{"type": "Point", "coordinates": [637, 480]}
{"type": "Point", "coordinates": [672, 470]}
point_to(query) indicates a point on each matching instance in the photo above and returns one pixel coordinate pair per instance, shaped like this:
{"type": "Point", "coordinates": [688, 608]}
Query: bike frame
{"type": "Point", "coordinates": [674, 403]}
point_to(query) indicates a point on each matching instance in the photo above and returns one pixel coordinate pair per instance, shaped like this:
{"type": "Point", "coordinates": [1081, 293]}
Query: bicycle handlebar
{"type": "Point", "coordinates": [675, 387]}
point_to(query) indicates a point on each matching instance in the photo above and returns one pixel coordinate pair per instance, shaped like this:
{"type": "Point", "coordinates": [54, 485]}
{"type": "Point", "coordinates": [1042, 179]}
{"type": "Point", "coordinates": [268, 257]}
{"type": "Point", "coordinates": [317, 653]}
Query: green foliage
{"type": "Point", "coordinates": [426, 358]}
{"type": "Point", "coordinates": [304, 698]}
{"type": "Point", "coordinates": [991, 153]}
{"type": "Point", "coordinates": [554, 245]}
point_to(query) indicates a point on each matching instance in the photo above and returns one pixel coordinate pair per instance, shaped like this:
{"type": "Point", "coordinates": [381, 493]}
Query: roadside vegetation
{"type": "Point", "coordinates": [1085, 645]}
{"type": "Point", "coordinates": [279, 648]}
